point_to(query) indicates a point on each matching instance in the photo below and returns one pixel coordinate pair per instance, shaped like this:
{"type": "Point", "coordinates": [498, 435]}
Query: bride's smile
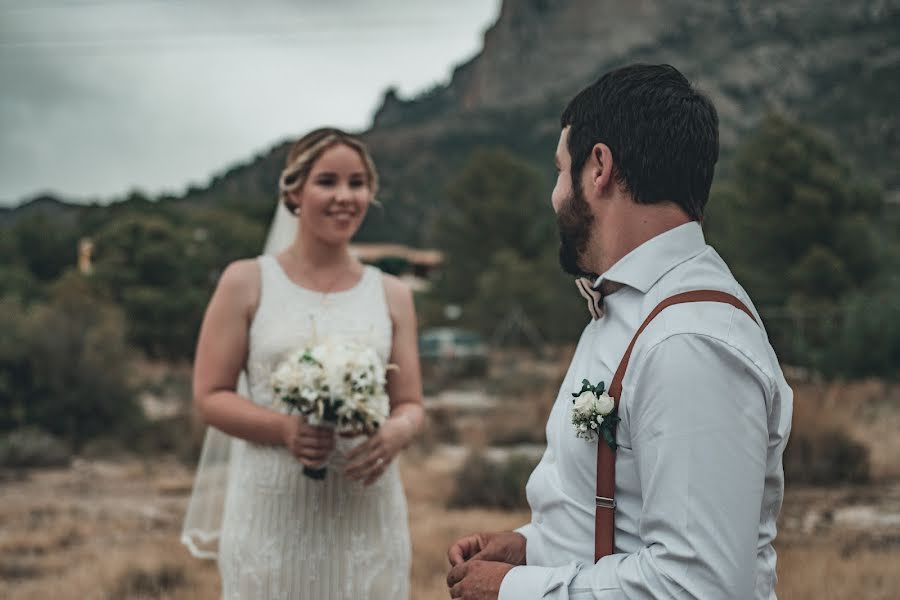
{"type": "Point", "coordinates": [344, 216]}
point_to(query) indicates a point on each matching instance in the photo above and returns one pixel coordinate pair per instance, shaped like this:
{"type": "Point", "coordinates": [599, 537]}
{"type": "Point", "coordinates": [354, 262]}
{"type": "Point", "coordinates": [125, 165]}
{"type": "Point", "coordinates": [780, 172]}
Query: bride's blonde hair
{"type": "Point", "coordinates": [307, 150]}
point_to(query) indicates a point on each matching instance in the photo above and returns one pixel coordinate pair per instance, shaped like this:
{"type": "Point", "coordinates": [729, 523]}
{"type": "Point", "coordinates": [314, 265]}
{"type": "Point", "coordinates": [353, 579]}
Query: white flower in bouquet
{"type": "Point", "coordinates": [336, 383]}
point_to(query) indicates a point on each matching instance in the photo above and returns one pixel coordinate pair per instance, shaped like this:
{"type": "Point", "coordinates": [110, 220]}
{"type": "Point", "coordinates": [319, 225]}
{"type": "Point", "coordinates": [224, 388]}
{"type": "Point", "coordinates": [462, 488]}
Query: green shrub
{"type": "Point", "coordinates": [825, 457]}
{"type": "Point", "coordinates": [492, 484]}
{"type": "Point", "coordinates": [153, 583]}
{"type": "Point", "coordinates": [64, 366]}
{"type": "Point", "coordinates": [31, 448]}
{"type": "Point", "coordinates": [867, 342]}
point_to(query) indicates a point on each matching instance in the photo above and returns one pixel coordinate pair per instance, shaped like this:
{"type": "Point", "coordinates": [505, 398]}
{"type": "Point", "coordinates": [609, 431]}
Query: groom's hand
{"type": "Point", "coordinates": [504, 546]}
{"type": "Point", "coordinates": [477, 579]}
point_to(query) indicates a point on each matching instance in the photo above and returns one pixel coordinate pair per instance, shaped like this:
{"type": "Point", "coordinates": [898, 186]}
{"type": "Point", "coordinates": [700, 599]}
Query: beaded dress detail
{"type": "Point", "coordinates": [288, 537]}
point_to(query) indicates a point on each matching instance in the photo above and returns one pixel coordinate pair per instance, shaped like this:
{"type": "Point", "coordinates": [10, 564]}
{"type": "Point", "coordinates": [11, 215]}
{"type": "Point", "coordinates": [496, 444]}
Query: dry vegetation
{"type": "Point", "coordinates": [109, 529]}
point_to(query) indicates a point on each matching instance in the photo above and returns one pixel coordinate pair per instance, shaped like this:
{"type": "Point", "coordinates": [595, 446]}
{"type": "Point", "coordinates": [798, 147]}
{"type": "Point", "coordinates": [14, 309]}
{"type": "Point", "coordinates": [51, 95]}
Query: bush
{"type": "Point", "coordinates": [159, 582]}
{"type": "Point", "coordinates": [179, 436]}
{"type": "Point", "coordinates": [825, 457]}
{"type": "Point", "coordinates": [492, 484]}
{"type": "Point", "coordinates": [867, 342]}
{"type": "Point", "coordinates": [32, 448]}
{"type": "Point", "coordinates": [519, 435]}
{"type": "Point", "coordinates": [64, 366]}
{"type": "Point", "coordinates": [17, 283]}
{"type": "Point", "coordinates": [161, 270]}
{"type": "Point", "coordinates": [45, 245]}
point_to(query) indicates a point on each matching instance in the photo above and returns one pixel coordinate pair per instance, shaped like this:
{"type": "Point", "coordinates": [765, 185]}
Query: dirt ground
{"type": "Point", "coordinates": [109, 530]}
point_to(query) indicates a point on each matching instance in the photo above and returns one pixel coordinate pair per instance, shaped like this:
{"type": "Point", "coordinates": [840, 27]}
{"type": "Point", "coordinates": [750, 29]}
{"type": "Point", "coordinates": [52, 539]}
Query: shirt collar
{"type": "Point", "coordinates": [645, 265]}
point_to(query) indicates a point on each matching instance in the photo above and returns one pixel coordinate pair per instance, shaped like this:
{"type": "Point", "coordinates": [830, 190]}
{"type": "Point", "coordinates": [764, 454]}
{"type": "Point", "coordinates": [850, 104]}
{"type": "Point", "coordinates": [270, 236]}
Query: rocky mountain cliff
{"type": "Point", "coordinates": [833, 64]}
{"type": "Point", "coordinates": [751, 56]}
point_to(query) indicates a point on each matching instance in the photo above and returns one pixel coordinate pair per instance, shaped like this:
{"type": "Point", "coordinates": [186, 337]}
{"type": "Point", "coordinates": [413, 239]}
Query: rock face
{"type": "Point", "coordinates": [835, 65]}
{"type": "Point", "coordinates": [815, 59]}
{"type": "Point", "coordinates": [539, 47]}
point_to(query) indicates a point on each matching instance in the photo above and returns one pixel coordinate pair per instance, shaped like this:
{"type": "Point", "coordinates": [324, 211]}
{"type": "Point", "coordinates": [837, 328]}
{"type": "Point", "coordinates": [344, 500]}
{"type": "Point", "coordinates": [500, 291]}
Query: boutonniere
{"type": "Point", "coordinates": [594, 411]}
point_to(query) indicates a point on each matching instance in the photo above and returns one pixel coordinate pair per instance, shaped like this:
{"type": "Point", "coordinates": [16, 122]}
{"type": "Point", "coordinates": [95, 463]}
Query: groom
{"type": "Point", "coordinates": [705, 410]}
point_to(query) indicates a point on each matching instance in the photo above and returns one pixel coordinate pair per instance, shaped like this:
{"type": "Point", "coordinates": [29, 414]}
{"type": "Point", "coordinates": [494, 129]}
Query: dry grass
{"type": "Point", "coordinates": [433, 529]}
{"type": "Point", "coordinates": [154, 567]}
{"type": "Point", "coordinates": [97, 531]}
{"type": "Point", "coordinates": [109, 530]}
{"type": "Point", "coordinates": [117, 538]}
{"type": "Point", "coordinates": [823, 571]}
{"type": "Point", "coordinates": [869, 410]}
{"type": "Point", "coordinates": [429, 483]}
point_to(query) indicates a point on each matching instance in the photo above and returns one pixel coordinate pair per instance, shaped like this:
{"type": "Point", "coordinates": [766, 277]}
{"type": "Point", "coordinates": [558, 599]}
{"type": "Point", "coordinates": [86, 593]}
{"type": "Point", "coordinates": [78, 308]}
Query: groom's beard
{"type": "Point", "coordinates": [574, 221]}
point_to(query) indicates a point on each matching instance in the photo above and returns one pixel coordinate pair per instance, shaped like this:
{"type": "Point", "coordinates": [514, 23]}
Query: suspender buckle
{"type": "Point", "coordinates": [604, 502]}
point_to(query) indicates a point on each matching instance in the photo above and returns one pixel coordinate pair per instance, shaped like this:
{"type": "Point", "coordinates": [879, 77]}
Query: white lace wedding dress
{"type": "Point", "coordinates": [285, 536]}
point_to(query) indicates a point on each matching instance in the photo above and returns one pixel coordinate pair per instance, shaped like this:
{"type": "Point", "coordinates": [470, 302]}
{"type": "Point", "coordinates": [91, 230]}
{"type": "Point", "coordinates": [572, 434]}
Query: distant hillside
{"type": "Point", "coordinates": [835, 65]}
{"type": "Point", "coordinates": [52, 207]}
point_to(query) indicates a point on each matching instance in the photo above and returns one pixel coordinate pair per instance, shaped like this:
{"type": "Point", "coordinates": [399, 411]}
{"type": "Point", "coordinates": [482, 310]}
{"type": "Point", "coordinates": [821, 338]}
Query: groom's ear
{"type": "Point", "coordinates": [600, 169]}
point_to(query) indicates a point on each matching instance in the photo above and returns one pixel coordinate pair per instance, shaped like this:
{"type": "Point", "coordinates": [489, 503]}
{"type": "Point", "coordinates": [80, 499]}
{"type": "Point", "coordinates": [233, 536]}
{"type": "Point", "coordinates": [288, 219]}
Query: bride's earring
{"type": "Point", "coordinates": [292, 208]}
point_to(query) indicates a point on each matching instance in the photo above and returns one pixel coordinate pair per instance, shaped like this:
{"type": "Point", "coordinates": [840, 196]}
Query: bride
{"type": "Point", "coordinates": [283, 534]}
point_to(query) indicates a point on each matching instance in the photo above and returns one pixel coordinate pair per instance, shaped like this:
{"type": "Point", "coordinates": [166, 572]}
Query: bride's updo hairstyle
{"type": "Point", "coordinates": [307, 150]}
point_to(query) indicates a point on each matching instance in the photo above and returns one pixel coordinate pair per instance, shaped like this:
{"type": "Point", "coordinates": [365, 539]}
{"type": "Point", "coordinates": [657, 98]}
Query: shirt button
{"type": "Point", "coordinates": [551, 457]}
{"type": "Point", "coordinates": [538, 519]}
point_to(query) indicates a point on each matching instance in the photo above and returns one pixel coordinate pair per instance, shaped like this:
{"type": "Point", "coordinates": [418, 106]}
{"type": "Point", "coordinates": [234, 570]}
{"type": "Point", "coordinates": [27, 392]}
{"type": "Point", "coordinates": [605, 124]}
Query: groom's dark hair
{"type": "Point", "coordinates": [663, 134]}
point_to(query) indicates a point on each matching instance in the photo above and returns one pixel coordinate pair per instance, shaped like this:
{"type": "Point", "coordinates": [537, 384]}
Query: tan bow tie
{"type": "Point", "coordinates": [594, 297]}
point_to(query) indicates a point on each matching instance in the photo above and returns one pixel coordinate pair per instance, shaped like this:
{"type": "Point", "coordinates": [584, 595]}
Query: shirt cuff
{"type": "Point", "coordinates": [524, 583]}
{"type": "Point", "coordinates": [601, 577]}
{"type": "Point", "coordinates": [533, 583]}
{"type": "Point", "coordinates": [525, 530]}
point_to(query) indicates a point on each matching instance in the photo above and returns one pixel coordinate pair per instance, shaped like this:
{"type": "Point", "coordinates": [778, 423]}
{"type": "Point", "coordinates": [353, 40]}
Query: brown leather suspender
{"type": "Point", "coordinates": [604, 520]}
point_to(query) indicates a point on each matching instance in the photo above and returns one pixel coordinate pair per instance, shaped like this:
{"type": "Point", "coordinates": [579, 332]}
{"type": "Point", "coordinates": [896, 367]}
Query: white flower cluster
{"type": "Point", "coordinates": [589, 410]}
{"type": "Point", "coordinates": [337, 383]}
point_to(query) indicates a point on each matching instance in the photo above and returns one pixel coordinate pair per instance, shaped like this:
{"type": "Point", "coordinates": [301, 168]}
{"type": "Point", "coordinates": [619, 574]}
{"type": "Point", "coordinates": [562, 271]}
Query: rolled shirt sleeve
{"type": "Point", "coordinates": [698, 419]}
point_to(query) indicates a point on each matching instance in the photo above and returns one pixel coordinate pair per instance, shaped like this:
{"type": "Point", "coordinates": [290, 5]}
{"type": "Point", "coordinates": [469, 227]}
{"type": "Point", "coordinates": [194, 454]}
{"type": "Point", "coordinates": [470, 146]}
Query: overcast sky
{"type": "Point", "coordinates": [101, 96]}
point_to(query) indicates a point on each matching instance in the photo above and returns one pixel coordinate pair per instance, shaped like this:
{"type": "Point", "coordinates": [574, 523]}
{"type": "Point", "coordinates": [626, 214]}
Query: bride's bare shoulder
{"type": "Point", "coordinates": [398, 294]}
{"type": "Point", "coordinates": [241, 273]}
{"type": "Point", "coordinates": [240, 282]}
{"type": "Point", "coordinates": [394, 286]}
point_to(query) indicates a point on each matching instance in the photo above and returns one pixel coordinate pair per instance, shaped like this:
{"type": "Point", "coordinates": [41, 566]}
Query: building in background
{"type": "Point", "coordinates": [416, 267]}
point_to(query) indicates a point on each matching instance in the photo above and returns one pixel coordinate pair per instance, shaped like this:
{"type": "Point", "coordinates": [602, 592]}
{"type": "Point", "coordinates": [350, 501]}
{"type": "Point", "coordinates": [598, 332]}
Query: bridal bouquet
{"type": "Point", "coordinates": [336, 383]}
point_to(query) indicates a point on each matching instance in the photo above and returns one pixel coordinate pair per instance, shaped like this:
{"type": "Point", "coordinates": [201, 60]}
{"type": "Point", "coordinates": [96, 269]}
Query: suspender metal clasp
{"type": "Point", "coordinates": [603, 502]}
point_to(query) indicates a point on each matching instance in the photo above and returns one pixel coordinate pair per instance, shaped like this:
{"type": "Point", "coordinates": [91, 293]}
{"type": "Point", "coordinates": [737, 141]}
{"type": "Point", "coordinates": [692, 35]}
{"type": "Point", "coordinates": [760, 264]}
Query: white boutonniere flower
{"type": "Point", "coordinates": [594, 411]}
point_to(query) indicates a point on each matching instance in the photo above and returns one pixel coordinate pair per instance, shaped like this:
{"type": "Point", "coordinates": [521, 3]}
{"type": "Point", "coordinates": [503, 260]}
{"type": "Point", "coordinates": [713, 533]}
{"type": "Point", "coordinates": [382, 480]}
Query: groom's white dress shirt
{"type": "Point", "coordinates": [705, 413]}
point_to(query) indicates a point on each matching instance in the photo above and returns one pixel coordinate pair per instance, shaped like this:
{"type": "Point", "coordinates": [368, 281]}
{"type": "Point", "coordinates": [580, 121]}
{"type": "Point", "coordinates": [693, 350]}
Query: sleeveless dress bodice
{"type": "Point", "coordinates": [286, 536]}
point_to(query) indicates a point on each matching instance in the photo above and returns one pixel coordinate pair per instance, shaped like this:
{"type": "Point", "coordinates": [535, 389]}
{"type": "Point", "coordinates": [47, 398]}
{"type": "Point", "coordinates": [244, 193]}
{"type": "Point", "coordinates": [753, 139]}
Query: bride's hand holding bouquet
{"type": "Point", "coordinates": [338, 387]}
